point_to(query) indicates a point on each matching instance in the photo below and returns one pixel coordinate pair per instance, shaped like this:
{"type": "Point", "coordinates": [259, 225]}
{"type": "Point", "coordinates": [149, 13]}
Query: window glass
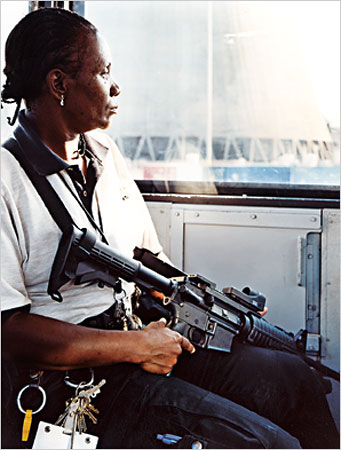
{"type": "Point", "coordinates": [226, 91]}
{"type": "Point", "coordinates": [235, 91]}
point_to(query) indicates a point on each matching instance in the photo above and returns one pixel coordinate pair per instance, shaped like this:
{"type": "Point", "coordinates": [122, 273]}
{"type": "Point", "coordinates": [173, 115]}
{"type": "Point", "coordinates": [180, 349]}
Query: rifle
{"type": "Point", "coordinates": [191, 304]}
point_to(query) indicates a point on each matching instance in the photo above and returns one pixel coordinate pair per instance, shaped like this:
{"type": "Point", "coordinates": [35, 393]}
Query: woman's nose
{"type": "Point", "coordinates": [114, 90]}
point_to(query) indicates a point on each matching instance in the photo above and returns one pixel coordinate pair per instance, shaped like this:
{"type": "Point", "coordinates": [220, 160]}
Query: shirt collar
{"type": "Point", "coordinates": [43, 159]}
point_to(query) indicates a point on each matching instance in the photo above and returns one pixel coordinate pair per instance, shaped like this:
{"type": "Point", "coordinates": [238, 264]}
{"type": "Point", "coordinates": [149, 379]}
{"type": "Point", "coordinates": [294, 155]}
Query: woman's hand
{"type": "Point", "coordinates": [161, 347]}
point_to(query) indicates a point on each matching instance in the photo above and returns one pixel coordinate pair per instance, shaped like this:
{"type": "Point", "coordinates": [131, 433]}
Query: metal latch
{"type": "Point", "coordinates": [313, 344]}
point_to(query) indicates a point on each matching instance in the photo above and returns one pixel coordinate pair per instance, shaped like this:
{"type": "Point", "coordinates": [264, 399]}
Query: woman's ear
{"type": "Point", "coordinates": [56, 83]}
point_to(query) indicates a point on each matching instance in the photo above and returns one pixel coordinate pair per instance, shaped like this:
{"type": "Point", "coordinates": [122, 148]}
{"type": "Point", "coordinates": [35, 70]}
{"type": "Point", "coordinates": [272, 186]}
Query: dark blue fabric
{"type": "Point", "coordinates": [43, 160]}
{"type": "Point", "coordinates": [275, 384]}
{"type": "Point", "coordinates": [135, 406]}
{"type": "Point", "coordinates": [211, 397]}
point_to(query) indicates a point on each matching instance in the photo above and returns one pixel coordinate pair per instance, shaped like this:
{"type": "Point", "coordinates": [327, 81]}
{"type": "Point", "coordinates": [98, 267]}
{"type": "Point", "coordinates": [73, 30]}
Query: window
{"type": "Point", "coordinates": [226, 91]}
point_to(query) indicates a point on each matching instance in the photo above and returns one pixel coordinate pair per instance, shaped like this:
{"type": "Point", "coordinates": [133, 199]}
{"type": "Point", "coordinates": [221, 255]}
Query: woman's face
{"type": "Point", "coordinates": [90, 97]}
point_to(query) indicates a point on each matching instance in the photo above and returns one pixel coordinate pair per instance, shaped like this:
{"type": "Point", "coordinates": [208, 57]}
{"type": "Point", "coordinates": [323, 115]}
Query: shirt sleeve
{"type": "Point", "coordinates": [13, 290]}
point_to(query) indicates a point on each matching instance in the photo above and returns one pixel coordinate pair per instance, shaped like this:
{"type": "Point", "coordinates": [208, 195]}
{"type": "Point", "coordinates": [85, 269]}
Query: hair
{"type": "Point", "coordinates": [44, 39]}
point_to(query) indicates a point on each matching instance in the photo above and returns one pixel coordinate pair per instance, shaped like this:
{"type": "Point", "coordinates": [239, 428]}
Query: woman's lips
{"type": "Point", "coordinates": [113, 109]}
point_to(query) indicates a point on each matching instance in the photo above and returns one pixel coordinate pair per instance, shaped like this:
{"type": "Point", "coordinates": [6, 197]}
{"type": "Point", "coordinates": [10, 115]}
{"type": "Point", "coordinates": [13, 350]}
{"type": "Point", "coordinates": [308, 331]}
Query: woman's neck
{"type": "Point", "coordinates": [61, 141]}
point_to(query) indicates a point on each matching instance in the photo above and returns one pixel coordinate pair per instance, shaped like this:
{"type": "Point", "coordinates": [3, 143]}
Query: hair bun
{"type": "Point", "coordinates": [12, 89]}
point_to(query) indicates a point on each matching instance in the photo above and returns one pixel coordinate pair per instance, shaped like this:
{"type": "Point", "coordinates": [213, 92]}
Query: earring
{"type": "Point", "coordinates": [62, 101]}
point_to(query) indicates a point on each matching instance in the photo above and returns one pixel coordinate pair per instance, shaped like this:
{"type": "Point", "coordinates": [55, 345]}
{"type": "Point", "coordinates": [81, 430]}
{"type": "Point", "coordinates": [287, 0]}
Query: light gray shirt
{"type": "Point", "coordinates": [30, 237]}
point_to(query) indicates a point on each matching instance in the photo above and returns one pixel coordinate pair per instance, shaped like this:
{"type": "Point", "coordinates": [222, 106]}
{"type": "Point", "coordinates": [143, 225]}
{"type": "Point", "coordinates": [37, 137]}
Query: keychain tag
{"type": "Point", "coordinates": [26, 425]}
{"type": "Point", "coordinates": [55, 437]}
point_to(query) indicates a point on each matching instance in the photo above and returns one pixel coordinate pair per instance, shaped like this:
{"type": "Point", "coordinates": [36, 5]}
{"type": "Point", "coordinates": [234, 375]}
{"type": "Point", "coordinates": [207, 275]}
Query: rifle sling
{"type": "Point", "coordinates": [49, 196]}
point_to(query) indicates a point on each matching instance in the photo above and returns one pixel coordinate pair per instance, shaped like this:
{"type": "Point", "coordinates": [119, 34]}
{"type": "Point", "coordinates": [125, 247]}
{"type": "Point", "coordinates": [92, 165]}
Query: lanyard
{"type": "Point", "coordinates": [97, 227]}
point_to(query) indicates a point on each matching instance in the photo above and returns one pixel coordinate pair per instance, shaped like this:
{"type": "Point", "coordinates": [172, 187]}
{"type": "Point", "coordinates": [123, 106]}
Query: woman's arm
{"type": "Point", "coordinates": [44, 343]}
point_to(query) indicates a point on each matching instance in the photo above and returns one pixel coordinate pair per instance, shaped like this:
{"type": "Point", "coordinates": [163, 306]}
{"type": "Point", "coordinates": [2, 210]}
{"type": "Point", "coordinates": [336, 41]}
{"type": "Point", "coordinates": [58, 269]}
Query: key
{"type": "Point", "coordinates": [71, 414]}
{"type": "Point", "coordinates": [63, 415]}
{"type": "Point", "coordinates": [73, 418]}
{"type": "Point", "coordinates": [89, 414]}
{"type": "Point", "coordinates": [92, 391]}
{"type": "Point", "coordinates": [95, 410]}
{"type": "Point", "coordinates": [62, 418]}
{"type": "Point", "coordinates": [82, 423]}
{"type": "Point", "coordinates": [74, 426]}
{"type": "Point", "coordinates": [83, 404]}
{"type": "Point", "coordinates": [79, 424]}
{"type": "Point", "coordinates": [87, 408]}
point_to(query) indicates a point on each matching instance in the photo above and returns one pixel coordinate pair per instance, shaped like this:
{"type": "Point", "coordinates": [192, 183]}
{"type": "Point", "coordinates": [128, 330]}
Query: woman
{"type": "Point", "coordinates": [60, 66]}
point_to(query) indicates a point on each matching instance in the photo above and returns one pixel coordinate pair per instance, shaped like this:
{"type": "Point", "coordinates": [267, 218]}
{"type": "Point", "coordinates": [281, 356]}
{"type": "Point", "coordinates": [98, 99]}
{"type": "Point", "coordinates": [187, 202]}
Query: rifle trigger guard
{"type": "Point", "coordinates": [166, 301]}
{"type": "Point", "coordinates": [174, 315]}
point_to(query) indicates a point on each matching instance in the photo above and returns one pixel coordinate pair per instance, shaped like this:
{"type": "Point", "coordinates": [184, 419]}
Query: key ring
{"type": "Point", "coordinates": [74, 385]}
{"type": "Point", "coordinates": [24, 389]}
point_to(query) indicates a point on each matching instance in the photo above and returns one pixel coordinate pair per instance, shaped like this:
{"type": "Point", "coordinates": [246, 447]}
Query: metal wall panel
{"type": "Point", "coordinates": [239, 246]}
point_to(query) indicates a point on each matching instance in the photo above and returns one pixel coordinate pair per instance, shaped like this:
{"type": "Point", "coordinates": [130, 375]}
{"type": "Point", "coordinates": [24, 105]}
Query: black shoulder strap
{"type": "Point", "coordinates": [49, 196]}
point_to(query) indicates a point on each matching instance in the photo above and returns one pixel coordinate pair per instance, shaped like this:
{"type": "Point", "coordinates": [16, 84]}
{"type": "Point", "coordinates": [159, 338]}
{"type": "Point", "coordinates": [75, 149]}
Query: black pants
{"type": "Point", "coordinates": [136, 406]}
{"type": "Point", "coordinates": [275, 384]}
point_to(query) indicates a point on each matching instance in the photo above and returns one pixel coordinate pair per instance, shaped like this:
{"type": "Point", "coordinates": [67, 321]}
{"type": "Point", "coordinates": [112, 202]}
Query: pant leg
{"type": "Point", "coordinates": [136, 406]}
{"type": "Point", "coordinates": [143, 406]}
{"type": "Point", "coordinates": [276, 385]}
